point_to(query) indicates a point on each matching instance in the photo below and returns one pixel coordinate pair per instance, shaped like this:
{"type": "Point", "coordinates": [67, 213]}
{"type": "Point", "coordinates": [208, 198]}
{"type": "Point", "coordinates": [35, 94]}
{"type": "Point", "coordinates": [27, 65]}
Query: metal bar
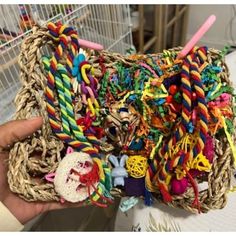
{"type": "Point", "coordinates": [7, 81]}
{"type": "Point", "coordinates": [121, 38]}
{"type": "Point", "coordinates": [119, 9]}
{"type": "Point", "coordinates": [28, 10]}
{"type": "Point", "coordinates": [51, 10]}
{"type": "Point", "coordinates": [91, 22]}
{"type": "Point", "coordinates": [107, 24]}
{"type": "Point", "coordinates": [108, 21]}
{"type": "Point", "coordinates": [24, 30]}
{"type": "Point", "coordinates": [130, 26]}
{"type": "Point", "coordinates": [42, 10]}
{"type": "Point", "coordinates": [17, 20]}
{"type": "Point", "coordinates": [13, 51]}
{"type": "Point", "coordinates": [46, 11]}
{"type": "Point", "coordinates": [103, 26]}
{"type": "Point", "coordinates": [64, 9]}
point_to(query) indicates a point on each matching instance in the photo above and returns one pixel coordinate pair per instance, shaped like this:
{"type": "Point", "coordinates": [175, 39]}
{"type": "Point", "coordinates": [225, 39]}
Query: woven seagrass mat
{"type": "Point", "coordinates": [40, 154]}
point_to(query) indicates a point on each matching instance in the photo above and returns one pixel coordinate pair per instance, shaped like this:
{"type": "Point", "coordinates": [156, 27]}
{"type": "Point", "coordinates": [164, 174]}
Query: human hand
{"type": "Point", "coordinates": [24, 211]}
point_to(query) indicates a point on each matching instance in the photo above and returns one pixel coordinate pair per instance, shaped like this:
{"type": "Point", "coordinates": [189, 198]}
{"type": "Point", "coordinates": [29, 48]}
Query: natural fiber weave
{"type": "Point", "coordinates": [36, 156]}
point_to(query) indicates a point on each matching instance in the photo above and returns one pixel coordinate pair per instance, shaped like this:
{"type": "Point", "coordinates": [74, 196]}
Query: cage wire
{"type": "Point", "coordinates": [109, 25]}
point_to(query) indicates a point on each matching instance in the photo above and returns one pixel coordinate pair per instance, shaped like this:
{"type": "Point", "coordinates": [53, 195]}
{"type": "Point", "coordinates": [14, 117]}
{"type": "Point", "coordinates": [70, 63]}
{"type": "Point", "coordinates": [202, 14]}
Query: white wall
{"type": "Point", "coordinates": [218, 35]}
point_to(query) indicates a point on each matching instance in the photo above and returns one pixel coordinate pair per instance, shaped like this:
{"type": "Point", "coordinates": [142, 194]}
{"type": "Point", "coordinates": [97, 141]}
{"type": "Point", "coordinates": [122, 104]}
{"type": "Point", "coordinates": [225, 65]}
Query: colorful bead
{"type": "Point", "coordinates": [194, 96]}
{"type": "Point", "coordinates": [173, 89]}
{"type": "Point", "coordinates": [169, 99]}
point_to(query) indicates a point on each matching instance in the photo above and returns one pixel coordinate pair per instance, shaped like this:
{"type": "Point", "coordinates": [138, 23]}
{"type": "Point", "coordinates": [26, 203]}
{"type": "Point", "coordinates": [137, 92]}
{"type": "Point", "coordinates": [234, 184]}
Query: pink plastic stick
{"type": "Point", "coordinates": [197, 36]}
{"type": "Point", "coordinates": [91, 45]}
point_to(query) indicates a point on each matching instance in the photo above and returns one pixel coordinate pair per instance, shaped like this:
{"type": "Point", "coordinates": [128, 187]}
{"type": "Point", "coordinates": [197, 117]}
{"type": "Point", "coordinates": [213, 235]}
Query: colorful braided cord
{"type": "Point", "coordinates": [61, 33]}
{"type": "Point", "coordinates": [190, 76]}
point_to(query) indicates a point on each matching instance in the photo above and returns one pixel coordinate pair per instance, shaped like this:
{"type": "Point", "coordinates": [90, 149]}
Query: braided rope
{"type": "Point", "coordinates": [63, 85]}
{"type": "Point", "coordinates": [79, 143]}
{"type": "Point", "coordinates": [202, 108]}
{"type": "Point", "coordinates": [62, 103]}
{"type": "Point", "coordinates": [161, 174]}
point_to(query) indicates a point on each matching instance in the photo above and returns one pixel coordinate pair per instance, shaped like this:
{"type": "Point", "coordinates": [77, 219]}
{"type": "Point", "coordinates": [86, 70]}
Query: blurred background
{"type": "Point", "coordinates": [173, 25]}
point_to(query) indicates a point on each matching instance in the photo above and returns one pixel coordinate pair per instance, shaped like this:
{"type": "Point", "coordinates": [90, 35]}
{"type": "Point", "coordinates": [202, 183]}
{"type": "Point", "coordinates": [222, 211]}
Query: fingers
{"type": "Point", "coordinates": [17, 130]}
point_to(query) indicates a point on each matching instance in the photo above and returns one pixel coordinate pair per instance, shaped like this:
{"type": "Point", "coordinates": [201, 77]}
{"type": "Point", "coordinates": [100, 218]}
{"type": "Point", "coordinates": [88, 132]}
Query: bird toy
{"type": "Point", "coordinates": [152, 126]}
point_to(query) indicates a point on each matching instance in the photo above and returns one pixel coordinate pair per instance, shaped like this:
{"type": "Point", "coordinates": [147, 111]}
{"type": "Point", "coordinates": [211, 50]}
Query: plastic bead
{"type": "Point", "coordinates": [169, 99]}
{"type": "Point", "coordinates": [173, 89]}
{"type": "Point", "coordinates": [194, 96]}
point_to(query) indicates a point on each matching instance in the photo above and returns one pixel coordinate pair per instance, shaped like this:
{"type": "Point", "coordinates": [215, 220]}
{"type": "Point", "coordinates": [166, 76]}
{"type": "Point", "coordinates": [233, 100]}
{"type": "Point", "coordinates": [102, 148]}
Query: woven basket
{"type": "Point", "coordinates": [26, 169]}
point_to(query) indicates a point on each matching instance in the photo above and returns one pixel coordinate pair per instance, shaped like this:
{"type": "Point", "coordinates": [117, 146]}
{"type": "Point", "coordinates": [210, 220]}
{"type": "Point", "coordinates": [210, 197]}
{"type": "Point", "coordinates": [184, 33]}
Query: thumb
{"type": "Point", "coordinates": [17, 130]}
